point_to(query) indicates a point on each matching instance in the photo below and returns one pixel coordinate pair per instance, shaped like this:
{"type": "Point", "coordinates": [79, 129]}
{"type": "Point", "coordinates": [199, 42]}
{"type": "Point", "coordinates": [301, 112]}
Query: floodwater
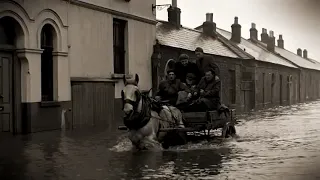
{"type": "Point", "coordinates": [282, 143]}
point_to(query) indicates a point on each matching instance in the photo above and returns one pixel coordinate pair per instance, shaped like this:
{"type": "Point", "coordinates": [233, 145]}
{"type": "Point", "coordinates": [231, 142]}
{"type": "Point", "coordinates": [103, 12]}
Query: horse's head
{"type": "Point", "coordinates": [130, 95]}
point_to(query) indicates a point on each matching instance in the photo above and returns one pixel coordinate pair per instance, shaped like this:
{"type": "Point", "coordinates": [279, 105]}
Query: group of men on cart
{"type": "Point", "coordinates": [192, 86]}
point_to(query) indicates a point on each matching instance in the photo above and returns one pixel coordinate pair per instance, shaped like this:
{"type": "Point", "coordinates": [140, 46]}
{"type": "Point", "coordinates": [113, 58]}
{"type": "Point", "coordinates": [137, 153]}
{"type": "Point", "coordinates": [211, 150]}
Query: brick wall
{"type": "Point", "coordinates": [257, 84]}
{"type": "Point", "coordinates": [310, 85]}
{"type": "Point", "coordinates": [275, 85]}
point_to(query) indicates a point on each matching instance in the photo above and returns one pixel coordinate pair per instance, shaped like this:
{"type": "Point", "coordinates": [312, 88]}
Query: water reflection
{"type": "Point", "coordinates": [279, 143]}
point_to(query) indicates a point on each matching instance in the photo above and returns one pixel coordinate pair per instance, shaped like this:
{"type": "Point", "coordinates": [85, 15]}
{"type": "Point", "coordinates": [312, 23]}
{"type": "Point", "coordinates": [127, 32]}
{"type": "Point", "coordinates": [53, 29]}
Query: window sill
{"type": "Point", "coordinates": [49, 104]}
{"type": "Point", "coordinates": [120, 76]}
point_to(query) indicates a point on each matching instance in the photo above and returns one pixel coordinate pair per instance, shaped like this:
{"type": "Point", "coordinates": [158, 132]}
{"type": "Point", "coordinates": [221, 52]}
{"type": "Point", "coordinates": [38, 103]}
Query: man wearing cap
{"type": "Point", "coordinates": [184, 66]}
{"type": "Point", "coordinates": [208, 91]}
{"type": "Point", "coordinates": [206, 62]}
{"type": "Point", "coordinates": [169, 88]}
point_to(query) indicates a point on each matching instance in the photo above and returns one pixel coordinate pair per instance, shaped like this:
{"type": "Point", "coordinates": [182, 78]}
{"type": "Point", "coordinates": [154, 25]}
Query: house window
{"type": "Point", "coordinates": [232, 86]}
{"type": "Point", "coordinates": [47, 63]}
{"type": "Point", "coordinates": [119, 51]}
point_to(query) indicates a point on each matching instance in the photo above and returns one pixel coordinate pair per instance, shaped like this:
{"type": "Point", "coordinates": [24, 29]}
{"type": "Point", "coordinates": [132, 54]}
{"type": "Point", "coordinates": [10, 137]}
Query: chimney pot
{"type": "Point", "coordinates": [209, 27]}
{"type": "Point", "coordinates": [209, 17]}
{"type": "Point", "coordinates": [305, 54]}
{"type": "Point", "coordinates": [253, 32]}
{"type": "Point", "coordinates": [236, 20]}
{"type": "Point", "coordinates": [299, 52]}
{"type": "Point", "coordinates": [236, 31]}
{"type": "Point", "coordinates": [174, 3]}
{"type": "Point", "coordinates": [264, 30]}
{"type": "Point", "coordinates": [280, 42]}
{"type": "Point", "coordinates": [264, 36]}
{"type": "Point", "coordinates": [271, 42]}
{"type": "Point", "coordinates": [174, 14]}
{"type": "Point", "coordinates": [271, 33]}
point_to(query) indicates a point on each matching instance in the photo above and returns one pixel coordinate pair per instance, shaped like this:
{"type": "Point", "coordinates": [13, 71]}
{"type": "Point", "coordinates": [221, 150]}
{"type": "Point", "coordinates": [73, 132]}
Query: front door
{"type": "Point", "coordinates": [6, 113]}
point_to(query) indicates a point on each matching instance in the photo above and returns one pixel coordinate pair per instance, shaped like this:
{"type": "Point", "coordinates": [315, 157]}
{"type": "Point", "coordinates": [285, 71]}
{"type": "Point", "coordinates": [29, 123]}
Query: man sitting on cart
{"type": "Point", "coordinates": [208, 93]}
{"type": "Point", "coordinates": [184, 67]}
{"type": "Point", "coordinates": [204, 62]}
{"type": "Point", "coordinates": [169, 88]}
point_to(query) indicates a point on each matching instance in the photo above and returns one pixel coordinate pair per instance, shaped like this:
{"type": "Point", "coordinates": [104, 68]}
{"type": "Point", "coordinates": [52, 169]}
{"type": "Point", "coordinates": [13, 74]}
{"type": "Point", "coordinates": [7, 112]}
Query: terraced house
{"type": "Point", "coordinates": [174, 39]}
{"type": "Point", "coordinates": [255, 74]}
{"type": "Point", "coordinates": [285, 78]}
{"type": "Point", "coordinates": [62, 60]}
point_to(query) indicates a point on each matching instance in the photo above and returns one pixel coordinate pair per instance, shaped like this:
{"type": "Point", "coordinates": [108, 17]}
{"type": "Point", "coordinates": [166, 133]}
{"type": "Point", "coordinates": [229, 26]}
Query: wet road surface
{"type": "Point", "coordinates": [282, 143]}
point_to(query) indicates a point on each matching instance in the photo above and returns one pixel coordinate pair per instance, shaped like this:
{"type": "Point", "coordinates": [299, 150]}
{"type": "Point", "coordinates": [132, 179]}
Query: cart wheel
{"type": "Point", "coordinates": [228, 130]}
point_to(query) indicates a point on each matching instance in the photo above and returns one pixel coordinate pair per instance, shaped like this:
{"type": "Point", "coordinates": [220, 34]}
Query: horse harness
{"type": "Point", "coordinates": [137, 119]}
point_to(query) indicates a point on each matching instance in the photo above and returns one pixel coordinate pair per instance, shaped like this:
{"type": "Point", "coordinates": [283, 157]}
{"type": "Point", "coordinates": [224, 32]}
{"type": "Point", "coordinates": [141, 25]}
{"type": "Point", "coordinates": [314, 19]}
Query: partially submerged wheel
{"type": "Point", "coordinates": [228, 130]}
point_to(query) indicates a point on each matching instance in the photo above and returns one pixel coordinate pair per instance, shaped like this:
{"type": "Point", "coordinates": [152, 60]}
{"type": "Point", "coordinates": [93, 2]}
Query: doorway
{"type": "Point", "coordinates": [11, 36]}
{"type": "Point", "coordinates": [6, 103]}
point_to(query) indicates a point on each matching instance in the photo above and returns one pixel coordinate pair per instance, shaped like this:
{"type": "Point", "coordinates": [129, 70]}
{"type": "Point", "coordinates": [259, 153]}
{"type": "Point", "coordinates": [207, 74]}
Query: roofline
{"type": "Point", "coordinates": [166, 22]}
{"type": "Point", "coordinates": [236, 58]}
{"type": "Point", "coordinates": [223, 39]}
{"type": "Point", "coordinates": [260, 45]}
{"type": "Point", "coordinates": [219, 38]}
{"type": "Point", "coordinates": [235, 46]}
{"type": "Point", "coordinates": [278, 54]}
{"type": "Point", "coordinates": [300, 56]}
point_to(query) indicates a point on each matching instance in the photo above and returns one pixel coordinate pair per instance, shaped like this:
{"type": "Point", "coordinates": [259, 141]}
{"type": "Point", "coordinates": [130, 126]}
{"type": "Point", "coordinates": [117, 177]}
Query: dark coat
{"type": "Point", "coordinates": [168, 90]}
{"type": "Point", "coordinates": [211, 95]}
{"type": "Point", "coordinates": [182, 71]}
{"type": "Point", "coordinates": [207, 63]}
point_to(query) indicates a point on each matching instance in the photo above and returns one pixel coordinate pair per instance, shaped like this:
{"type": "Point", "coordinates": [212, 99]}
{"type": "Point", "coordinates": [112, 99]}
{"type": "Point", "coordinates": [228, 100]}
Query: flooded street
{"type": "Point", "coordinates": [282, 143]}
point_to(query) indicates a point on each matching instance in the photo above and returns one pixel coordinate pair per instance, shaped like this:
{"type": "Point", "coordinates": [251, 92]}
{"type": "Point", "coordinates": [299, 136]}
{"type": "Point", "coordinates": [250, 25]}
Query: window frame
{"type": "Point", "coordinates": [119, 45]}
{"type": "Point", "coordinates": [47, 79]}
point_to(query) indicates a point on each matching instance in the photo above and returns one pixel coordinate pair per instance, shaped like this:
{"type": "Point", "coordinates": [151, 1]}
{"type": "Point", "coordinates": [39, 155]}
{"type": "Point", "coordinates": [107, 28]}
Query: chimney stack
{"type": "Point", "coordinates": [174, 14]}
{"type": "Point", "coordinates": [209, 27]}
{"type": "Point", "coordinates": [236, 31]}
{"type": "Point", "coordinates": [299, 52]}
{"type": "Point", "coordinates": [253, 32]}
{"type": "Point", "coordinates": [280, 42]}
{"type": "Point", "coordinates": [305, 54]}
{"type": "Point", "coordinates": [264, 36]}
{"type": "Point", "coordinates": [271, 42]}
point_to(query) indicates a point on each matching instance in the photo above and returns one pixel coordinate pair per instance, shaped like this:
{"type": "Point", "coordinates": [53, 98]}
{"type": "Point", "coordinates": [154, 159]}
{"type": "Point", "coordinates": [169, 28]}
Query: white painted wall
{"type": "Point", "coordinates": [84, 41]}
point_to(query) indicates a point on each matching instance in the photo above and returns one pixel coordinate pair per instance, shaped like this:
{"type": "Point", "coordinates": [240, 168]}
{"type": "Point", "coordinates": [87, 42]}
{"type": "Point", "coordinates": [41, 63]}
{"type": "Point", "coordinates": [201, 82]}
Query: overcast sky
{"type": "Point", "coordinates": [297, 20]}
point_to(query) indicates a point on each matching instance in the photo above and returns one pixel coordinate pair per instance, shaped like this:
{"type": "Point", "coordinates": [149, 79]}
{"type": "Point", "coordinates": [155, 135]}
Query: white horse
{"type": "Point", "coordinates": [144, 122]}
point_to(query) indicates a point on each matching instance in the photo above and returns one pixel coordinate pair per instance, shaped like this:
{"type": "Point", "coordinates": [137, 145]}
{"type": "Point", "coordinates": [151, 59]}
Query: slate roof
{"type": "Point", "coordinates": [299, 61]}
{"type": "Point", "coordinates": [258, 52]}
{"type": "Point", "coordinates": [190, 39]}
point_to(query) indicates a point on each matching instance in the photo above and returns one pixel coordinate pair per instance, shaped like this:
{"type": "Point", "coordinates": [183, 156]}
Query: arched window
{"type": "Point", "coordinates": [47, 35]}
{"type": "Point", "coordinates": [7, 31]}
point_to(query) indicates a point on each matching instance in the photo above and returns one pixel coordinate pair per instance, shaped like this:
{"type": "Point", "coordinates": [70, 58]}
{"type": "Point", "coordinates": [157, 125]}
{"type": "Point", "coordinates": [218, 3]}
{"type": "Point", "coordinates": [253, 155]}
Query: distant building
{"type": "Point", "coordinates": [174, 39]}
{"type": "Point", "coordinates": [65, 60]}
{"type": "Point", "coordinates": [255, 74]}
{"type": "Point", "coordinates": [281, 77]}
